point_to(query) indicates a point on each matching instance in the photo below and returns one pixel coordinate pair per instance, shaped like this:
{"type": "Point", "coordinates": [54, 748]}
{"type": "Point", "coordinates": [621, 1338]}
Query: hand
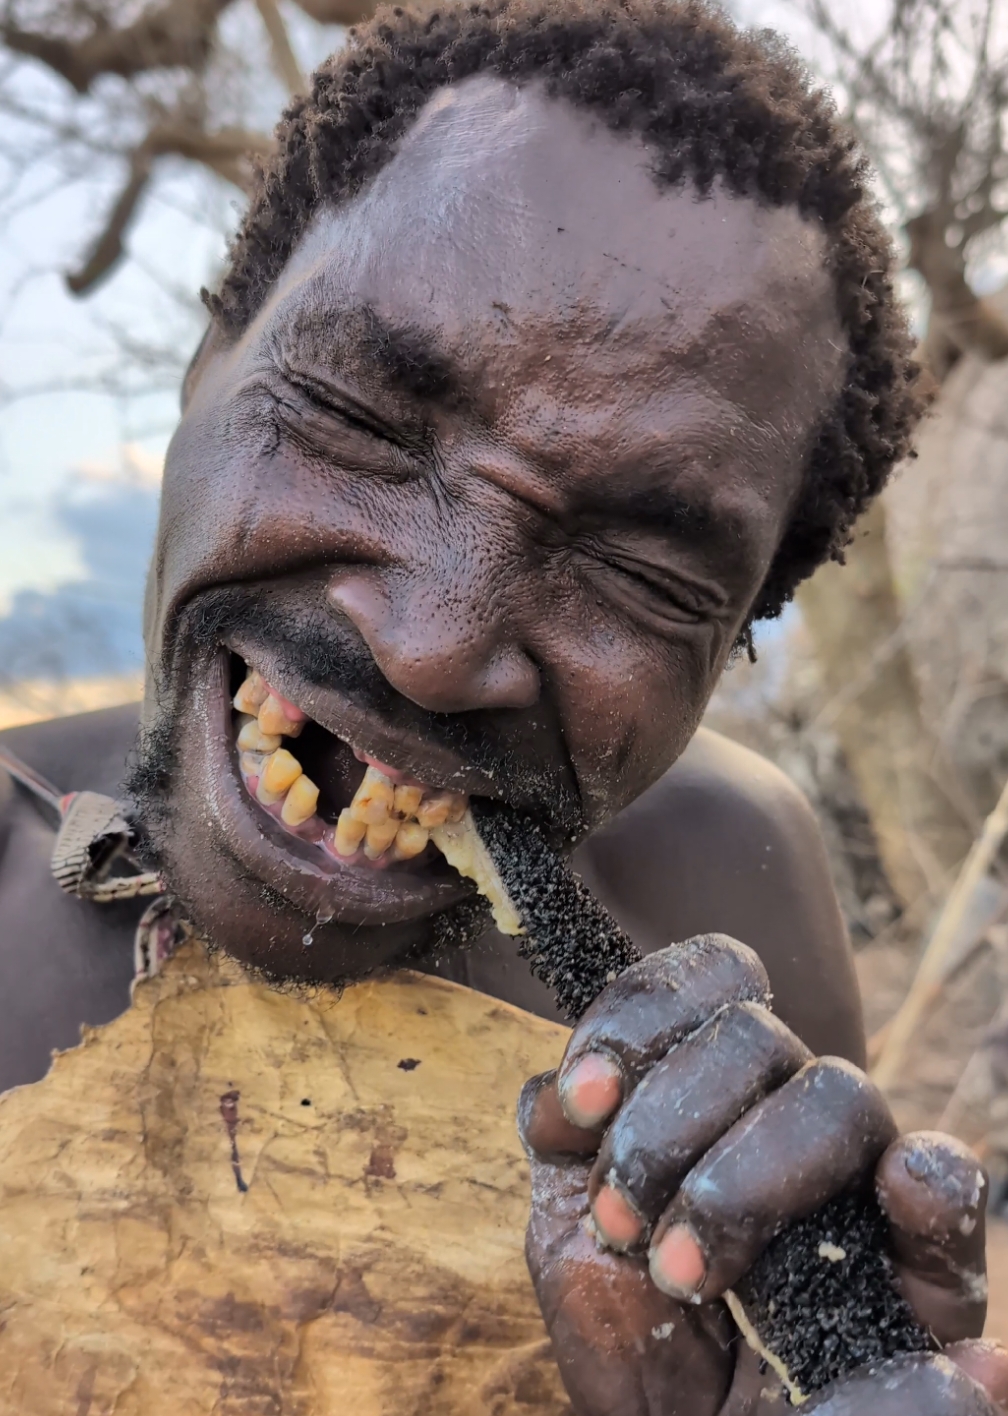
{"type": "Point", "coordinates": [685, 1126]}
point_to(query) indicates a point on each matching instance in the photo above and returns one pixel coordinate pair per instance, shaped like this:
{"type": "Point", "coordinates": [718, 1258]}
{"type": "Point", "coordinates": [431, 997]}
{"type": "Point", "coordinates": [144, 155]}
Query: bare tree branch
{"type": "Point", "coordinates": [229, 153]}
{"type": "Point", "coordinates": [970, 322]}
{"type": "Point", "coordinates": [929, 97]}
{"type": "Point", "coordinates": [178, 33]}
{"type": "Point", "coordinates": [338, 12]}
{"type": "Point", "coordinates": [108, 249]}
{"type": "Point", "coordinates": [284, 59]}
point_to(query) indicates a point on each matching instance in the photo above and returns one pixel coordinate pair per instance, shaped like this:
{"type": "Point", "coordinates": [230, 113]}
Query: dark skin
{"type": "Point", "coordinates": [517, 436]}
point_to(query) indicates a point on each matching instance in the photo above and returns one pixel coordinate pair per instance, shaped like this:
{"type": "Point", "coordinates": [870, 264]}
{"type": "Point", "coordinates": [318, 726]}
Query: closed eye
{"type": "Point", "coordinates": [346, 408]}
{"type": "Point", "coordinates": [656, 593]}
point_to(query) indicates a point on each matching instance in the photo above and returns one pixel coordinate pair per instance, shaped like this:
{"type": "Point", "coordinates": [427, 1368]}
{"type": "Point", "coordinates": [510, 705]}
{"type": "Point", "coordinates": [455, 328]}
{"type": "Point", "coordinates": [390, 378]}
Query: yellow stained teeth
{"type": "Point", "coordinates": [300, 802]}
{"type": "Point", "coordinates": [252, 695]}
{"type": "Point", "coordinates": [401, 816]}
{"type": "Point", "coordinates": [280, 771]}
{"type": "Point", "coordinates": [379, 837]}
{"type": "Point", "coordinates": [251, 738]}
{"type": "Point", "coordinates": [273, 719]}
{"type": "Point", "coordinates": [406, 801]}
{"type": "Point", "coordinates": [410, 840]}
{"type": "Point", "coordinates": [265, 797]}
{"type": "Point", "coordinates": [439, 808]}
{"type": "Point", "coordinates": [348, 834]}
{"type": "Point", "coordinates": [374, 799]}
{"type": "Point", "coordinates": [383, 818]}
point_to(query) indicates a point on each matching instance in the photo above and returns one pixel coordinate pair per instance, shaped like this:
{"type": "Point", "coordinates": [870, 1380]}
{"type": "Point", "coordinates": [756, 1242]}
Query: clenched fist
{"type": "Point", "coordinates": [685, 1127]}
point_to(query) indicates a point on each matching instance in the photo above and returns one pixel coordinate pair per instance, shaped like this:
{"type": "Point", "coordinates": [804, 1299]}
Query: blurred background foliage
{"type": "Point", "coordinates": [129, 132]}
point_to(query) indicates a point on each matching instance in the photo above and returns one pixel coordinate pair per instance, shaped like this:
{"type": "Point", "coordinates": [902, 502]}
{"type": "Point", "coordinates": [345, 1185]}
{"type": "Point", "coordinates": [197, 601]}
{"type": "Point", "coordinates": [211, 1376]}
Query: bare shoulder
{"type": "Point", "coordinates": [63, 962]}
{"type": "Point", "coordinates": [726, 842]}
{"type": "Point", "coordinates": [85, 752]}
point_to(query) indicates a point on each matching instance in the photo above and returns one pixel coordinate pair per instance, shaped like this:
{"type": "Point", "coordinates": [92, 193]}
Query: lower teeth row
{"type": "Point", "coordinates": [387, 821]}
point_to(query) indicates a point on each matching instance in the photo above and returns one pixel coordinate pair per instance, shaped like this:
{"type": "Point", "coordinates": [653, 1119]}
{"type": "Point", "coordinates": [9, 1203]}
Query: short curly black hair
{"type": "Point", "coordinates": [712, 102]}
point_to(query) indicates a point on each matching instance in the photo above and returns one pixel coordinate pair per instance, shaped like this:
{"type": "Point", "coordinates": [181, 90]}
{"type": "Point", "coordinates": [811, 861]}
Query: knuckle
{"type": "Point", "coordinates": [665, 996]}
{"type": "Point", "coordinates": [845, 1090]}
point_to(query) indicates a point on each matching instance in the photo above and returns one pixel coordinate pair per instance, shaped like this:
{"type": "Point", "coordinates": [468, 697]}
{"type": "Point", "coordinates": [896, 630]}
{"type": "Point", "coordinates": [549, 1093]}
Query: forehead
{"type": "Point", "coordinates": [506, 213]}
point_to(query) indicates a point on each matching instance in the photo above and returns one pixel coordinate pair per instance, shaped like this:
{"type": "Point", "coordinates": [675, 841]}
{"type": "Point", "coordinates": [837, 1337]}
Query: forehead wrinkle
{"type": "Point", "coordinates": [685, 421]}
{"type": "Point", "coordinates": [655, 358]}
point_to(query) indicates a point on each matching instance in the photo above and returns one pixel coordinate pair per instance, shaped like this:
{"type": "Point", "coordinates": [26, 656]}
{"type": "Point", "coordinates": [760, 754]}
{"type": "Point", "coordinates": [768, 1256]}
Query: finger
{"type": "Point", "coordinates": [647, 1010]}
{"type": "Point", "coordinates": [907, 1386]}
{"type": "Point", "coordinates": [934, 1191]}
{"type": "Point", "coordinates": [543, 1127]}
{"type": "Point", "coordinates": [814, 1137]}
{"type": "Point", "coordinates": [683, 1105]}
{"type": "Point", "coordinates": [987, 1364]}
{"type": "Point", "coordinates": [621, 1345]}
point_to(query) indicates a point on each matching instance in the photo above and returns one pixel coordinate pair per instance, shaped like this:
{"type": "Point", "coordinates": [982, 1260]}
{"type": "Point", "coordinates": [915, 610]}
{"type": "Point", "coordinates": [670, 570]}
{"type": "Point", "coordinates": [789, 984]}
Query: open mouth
{"type": "Point", "coordinates": [360, 811]}
{"type": "Point", "coordinates": [321, 801]}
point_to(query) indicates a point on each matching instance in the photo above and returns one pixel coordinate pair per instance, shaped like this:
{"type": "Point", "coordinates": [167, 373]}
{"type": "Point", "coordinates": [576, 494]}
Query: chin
{"type": "Point", "coordinates": [272, 876]}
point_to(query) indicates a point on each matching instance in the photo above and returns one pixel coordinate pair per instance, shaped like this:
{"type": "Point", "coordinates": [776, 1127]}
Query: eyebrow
{"type": "Point", "coordinates": [411, 359]}
{"type": "Point", "coordinates": [660, 507]}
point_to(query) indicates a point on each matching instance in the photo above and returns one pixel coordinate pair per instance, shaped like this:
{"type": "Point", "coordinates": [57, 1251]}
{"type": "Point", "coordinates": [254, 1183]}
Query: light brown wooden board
{"type": "Point", "coordinates": [374, 1264]}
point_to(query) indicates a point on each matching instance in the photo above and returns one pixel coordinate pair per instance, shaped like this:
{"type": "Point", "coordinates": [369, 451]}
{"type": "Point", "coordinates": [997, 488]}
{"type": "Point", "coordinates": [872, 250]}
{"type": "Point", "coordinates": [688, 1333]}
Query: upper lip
{"type": "Point", "coordinates": [362, 729]}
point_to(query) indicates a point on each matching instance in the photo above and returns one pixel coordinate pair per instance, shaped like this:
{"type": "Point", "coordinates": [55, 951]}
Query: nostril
{"type": "Point", "coordinates": [511, 680]}
{"type": "Point", "coordinates": [359, 598]}
{"type": "Point", "coordinates": [442, 658]}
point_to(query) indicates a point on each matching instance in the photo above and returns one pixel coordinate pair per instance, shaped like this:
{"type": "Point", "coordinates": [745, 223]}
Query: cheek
{"type": "Point", "coordinates": [628, 707]}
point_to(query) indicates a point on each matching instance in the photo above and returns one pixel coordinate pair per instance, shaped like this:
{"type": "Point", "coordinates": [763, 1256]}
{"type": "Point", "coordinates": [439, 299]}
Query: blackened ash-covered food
{"type": "Point", "coordinates": [821, 1300]}
{"type": "Point", "coordinates": [570, 940]}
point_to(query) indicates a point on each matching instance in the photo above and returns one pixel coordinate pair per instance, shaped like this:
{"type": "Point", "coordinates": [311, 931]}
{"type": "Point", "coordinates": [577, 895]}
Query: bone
{"type": "Point", "coordinates": [277, 716]}
{"type": "Point", "coordinates": [300, 802]}
{"type": "Point", "coordinates": [374, 799]}
{"type": "Point", "coordinates": [280, 771]}
{"type": "Point", "coordinates": [409, 841]}
{"type": "Point", "coordinates": [251, 738]}
{"type": "Point", "coordinates": [252, 694]}
{"type": "Point", "coordinates": [348, 834]}
{"type": "Point", "coordinates": [460, 844]}
{"type": "Point", "coordinates": [380, 836]}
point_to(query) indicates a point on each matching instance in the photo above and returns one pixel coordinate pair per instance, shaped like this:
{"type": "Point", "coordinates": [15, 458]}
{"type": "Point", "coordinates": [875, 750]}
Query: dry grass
{"type": "Point", "coordinates": [32, 700]}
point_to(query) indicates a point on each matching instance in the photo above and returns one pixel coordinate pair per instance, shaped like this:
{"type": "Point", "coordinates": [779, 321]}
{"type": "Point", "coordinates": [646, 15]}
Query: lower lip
{"type": "Point", "coordinates": [319, 884]}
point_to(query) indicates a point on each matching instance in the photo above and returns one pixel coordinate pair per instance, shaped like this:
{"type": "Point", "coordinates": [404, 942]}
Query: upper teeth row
{"type": "Point", "coordinates": [383, 816]}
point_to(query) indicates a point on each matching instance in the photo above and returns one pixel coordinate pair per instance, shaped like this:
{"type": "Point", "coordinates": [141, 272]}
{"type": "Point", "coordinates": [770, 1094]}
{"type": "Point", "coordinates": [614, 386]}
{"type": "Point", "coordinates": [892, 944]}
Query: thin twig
{"type": "Point", "coordinates": [284, 59]}
{"type": "Point", "coordinates": [927, 984]}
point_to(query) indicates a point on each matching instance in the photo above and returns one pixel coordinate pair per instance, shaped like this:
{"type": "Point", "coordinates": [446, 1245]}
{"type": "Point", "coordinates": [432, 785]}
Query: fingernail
{"type": "Point", "coordinates": [591, 1090]}
{"type": "Point", "coordinates": [677, 1263]}
{"type": "Point", "coordinates": [616, 1219]}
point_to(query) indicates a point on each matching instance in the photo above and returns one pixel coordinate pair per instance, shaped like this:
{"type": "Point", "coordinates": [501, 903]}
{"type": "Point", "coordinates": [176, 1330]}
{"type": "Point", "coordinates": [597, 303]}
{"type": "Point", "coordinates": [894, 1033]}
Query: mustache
{"type": "Point", "coordinates": [522, 750]}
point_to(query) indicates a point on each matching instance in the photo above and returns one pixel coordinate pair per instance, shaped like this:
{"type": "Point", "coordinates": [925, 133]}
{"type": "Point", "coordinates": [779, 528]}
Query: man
{"type": "Point", "coordinates": [557, 347]}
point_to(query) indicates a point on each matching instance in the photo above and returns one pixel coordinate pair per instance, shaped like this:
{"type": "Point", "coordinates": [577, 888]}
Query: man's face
{"type": "Point", "coordinates": [487, 491]}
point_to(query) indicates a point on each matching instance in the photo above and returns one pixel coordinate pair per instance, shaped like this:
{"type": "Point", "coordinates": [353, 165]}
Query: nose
{"type": "Point", "coordinates": [444, 653]}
